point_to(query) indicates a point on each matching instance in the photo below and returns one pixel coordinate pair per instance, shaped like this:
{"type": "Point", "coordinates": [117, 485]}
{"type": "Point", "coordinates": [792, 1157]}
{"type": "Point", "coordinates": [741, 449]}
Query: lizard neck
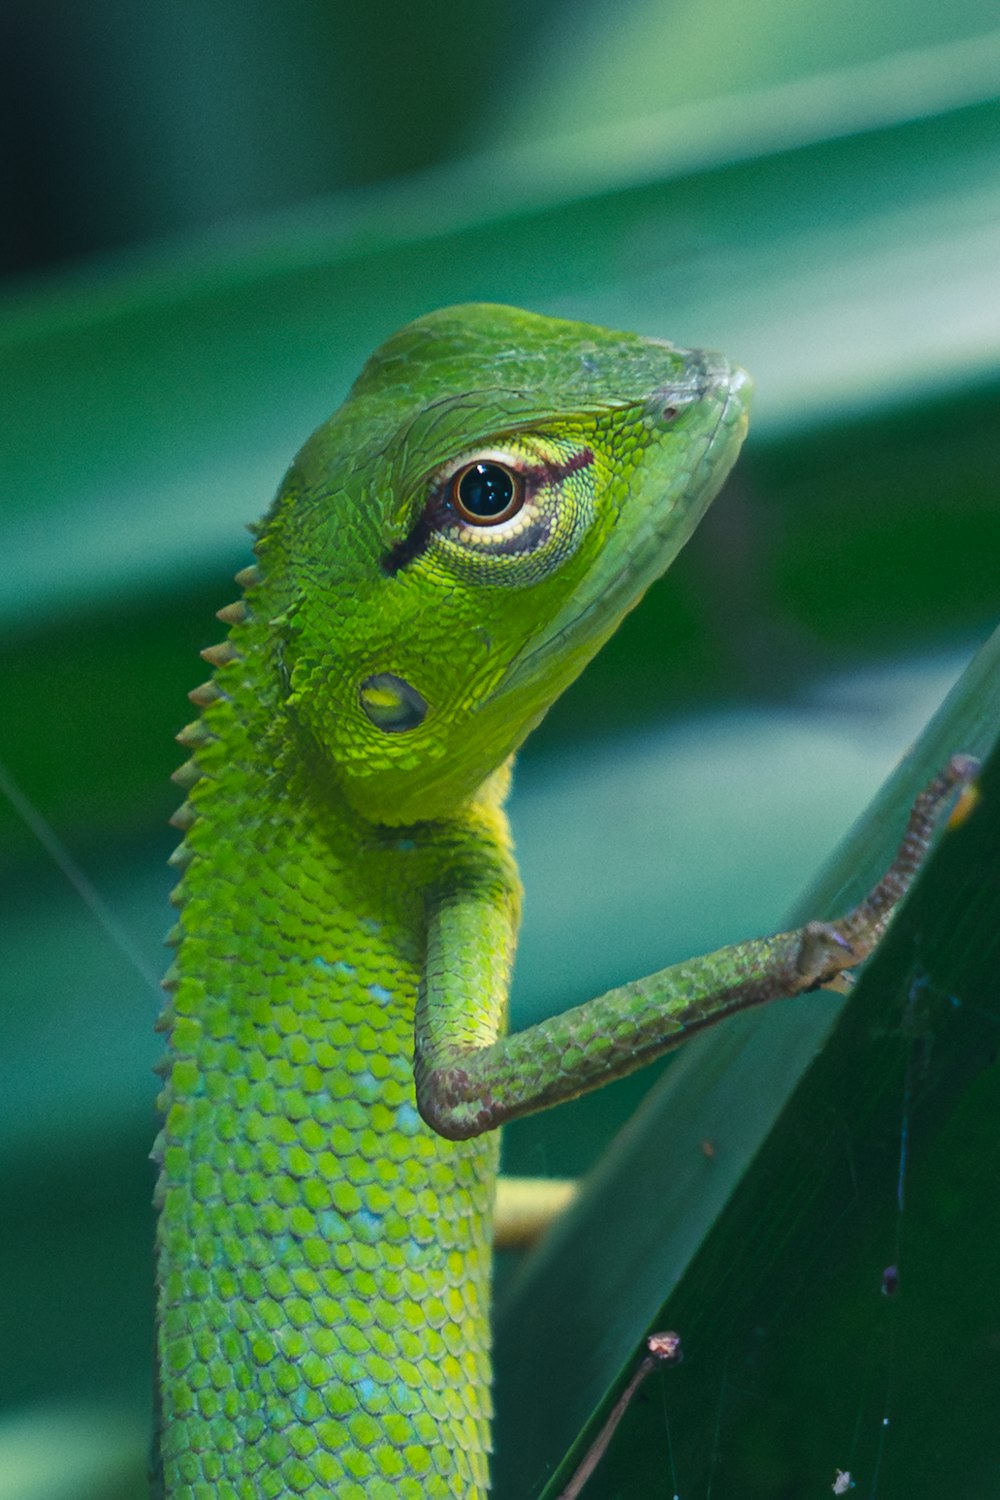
{"type": "Point", "coordinates": [323, 1257]}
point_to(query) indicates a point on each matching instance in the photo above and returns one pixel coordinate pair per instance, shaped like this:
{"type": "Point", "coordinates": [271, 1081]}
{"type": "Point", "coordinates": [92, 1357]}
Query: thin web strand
{"type": "Point", "coordinates": [84, 887]}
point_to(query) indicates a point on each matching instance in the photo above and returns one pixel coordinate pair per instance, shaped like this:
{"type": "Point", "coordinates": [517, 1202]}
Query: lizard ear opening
{"type": "Point", "coordinates": [391, 703]}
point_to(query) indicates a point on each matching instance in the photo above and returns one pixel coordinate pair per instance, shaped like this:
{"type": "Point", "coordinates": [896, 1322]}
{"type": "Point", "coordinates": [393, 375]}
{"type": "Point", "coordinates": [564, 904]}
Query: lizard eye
{"type": "Point", "coordinates": [485, 493]}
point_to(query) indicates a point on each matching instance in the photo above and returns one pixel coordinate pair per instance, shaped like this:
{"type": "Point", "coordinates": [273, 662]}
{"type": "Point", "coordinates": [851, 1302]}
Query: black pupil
{"type": "Point", "coordinates": [486, 490]}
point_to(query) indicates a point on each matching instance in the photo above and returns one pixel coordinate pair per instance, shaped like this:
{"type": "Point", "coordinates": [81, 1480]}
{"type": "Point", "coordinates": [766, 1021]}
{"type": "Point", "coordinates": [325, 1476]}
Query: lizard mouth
{"type": "Point", "coordinates": [653, 526]}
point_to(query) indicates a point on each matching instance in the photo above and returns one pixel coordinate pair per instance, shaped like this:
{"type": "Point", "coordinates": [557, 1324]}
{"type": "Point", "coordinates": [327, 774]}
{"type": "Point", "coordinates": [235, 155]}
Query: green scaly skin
{"type": "Point", "coordinates": [324, 1254]}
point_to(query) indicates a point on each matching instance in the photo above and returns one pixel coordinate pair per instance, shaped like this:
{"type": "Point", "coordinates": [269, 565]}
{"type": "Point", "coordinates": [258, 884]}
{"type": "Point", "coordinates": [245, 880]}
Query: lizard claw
{"type": "Point", "coordinates": [824, 953]}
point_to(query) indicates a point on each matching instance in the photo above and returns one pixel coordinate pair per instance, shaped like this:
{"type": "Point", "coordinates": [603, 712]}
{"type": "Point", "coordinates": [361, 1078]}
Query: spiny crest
{"type": "Point", "coordinates": [193, 737]}
{"type": "Point", "coordinates": [197, 734]}
{"type": "Point", "coordinates": [220, 655]}
{"type": "Point", "coordinates": [206, 693]}
{"type": "Point", "coordinates": [232, 614]}
{"type": "Point", "coordinates": [183, 818]}
{"type": "Point", "coordinates": [186, 775]}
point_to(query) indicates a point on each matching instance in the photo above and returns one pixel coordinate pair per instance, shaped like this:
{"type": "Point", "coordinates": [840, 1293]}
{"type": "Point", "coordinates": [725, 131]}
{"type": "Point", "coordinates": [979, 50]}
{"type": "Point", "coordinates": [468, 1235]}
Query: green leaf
{"type": "Point", "coordinates": [755, 1199]}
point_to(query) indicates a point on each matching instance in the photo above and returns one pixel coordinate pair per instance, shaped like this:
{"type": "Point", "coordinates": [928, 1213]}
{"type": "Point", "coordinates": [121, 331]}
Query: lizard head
{"type": "Point", "coordinates": [460, 538]}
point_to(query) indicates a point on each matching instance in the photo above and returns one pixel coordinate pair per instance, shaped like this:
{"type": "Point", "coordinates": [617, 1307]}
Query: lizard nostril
{"type": "Point", "coordinates": [669, 413]}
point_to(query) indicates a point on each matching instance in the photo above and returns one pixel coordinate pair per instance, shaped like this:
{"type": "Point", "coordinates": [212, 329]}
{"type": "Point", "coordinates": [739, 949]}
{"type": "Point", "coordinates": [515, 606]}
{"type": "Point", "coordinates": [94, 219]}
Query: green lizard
{"type": "Point", "coordinates": [444, 556]}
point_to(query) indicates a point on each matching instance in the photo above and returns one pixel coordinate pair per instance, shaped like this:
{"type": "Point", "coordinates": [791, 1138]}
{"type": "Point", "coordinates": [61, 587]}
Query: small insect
{"type": "Point", "coordinates": [890, 1281]}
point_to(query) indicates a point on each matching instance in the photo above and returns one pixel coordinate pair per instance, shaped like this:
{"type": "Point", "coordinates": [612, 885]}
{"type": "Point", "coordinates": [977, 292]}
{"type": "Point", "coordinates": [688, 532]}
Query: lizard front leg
{"type": "Point", "coordinates": [470, 1078]}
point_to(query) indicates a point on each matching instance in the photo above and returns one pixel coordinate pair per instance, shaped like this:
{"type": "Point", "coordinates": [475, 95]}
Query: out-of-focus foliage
{"type": "Point", "coordinates": [124, 123]}
{"type": "Point", "coordinates": [647, 56]}
{"type": "Point", "coordinates": [815, 191]}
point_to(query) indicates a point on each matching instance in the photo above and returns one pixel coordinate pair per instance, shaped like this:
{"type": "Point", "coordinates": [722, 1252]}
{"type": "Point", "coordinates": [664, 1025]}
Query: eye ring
{"type": "Point", "coordinates": [486, 492]}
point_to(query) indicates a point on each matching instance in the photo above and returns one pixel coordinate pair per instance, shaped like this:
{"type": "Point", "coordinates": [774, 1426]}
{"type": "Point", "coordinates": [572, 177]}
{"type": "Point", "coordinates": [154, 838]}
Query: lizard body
{"type": "Point", "coordinates": [444, 556]}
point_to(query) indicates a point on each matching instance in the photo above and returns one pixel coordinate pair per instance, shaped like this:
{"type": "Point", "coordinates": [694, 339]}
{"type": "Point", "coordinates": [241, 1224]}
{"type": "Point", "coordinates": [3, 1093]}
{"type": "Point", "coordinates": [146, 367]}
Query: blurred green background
{"type": "Point", "coordinates": [212, 213]}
